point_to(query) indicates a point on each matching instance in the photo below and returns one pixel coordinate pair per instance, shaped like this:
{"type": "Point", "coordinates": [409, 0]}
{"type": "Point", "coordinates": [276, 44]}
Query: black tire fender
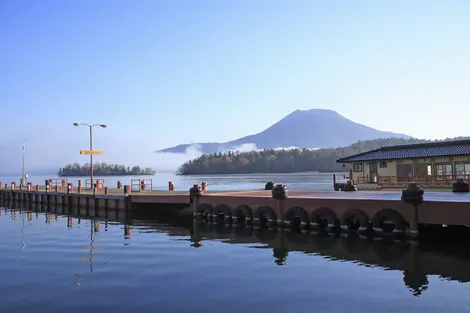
{"type": "Point", "coordinates": [204, 210]}
{"type": "Point", "coordinates": [392, 215]}
{"type": "Point", "coordinates": [357, 214]}
{"type": "Point", "coordinates": [328, 214]}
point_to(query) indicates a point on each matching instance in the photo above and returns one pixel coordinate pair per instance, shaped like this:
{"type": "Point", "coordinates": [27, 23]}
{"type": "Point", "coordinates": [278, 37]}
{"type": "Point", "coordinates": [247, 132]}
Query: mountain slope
{"type": "Point", "coordinates": [316, 128]}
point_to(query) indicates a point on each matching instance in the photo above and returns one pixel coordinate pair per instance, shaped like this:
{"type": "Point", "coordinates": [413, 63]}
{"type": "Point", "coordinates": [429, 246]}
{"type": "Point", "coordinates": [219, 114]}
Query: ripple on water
{"type": "Point", "coordinates": [63, 269]}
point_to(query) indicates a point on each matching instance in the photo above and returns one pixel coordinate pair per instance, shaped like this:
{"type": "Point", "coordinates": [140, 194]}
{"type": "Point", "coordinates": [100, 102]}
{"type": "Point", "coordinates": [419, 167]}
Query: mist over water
{"type": "Point", "coordinates": [172, 161]}
{"type": "Point", "coordinates": [46, 157]}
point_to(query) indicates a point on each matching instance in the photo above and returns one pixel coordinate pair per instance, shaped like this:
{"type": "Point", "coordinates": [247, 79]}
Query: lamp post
{"type": "Point", "coordinates": [22, 168]}
{"type": "Point", "coordinates": [91, 145]}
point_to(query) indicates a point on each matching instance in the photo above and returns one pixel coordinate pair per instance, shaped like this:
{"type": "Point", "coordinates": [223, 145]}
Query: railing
{"type": "Point", "coordinates": [98, 181]}
{"type": "Point", "coordinates": [437, 180]}
{"type": "Point", "coordinates": [58, 183]}
{"type": "Point", "coordinates": [138, 185]}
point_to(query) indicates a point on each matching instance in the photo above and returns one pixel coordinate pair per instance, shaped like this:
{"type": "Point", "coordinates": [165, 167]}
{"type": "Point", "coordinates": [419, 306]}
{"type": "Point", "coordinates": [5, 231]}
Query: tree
{"type": "Point", "coordinates": [286, 160]}
{"type": "Point", "coordinates": [103, 169]}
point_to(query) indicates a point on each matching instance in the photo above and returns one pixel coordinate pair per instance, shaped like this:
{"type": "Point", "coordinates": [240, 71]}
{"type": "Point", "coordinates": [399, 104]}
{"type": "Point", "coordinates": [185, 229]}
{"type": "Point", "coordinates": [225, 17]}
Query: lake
{"type": "Point", "coordinates": [51, 262]}
{"type": "Point", "coordinates": [296, 181]}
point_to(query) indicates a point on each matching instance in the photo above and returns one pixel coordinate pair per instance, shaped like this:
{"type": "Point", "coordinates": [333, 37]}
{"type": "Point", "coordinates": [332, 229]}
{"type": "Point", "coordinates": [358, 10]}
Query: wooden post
{"type": "Point", "coordinates": [127, 190]}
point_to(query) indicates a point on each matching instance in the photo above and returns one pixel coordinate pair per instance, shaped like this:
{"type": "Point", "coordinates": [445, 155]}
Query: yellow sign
{"type": "Point", "coordinates": [91, 152]}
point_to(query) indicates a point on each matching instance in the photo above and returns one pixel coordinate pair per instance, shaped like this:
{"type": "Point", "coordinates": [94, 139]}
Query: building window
{"type": "Point", "coordinates": [383, 164]}
{"type": "Point", "coordinates": [404, 172]}
{"type": "Point", "coordinates": [462, 170]}
{"type": "Point", "coordinates": [357, 167]}
{"type": "Point", "coordinates": [423, 172]}
{"type": "Point", "coordinates": [443, 171]}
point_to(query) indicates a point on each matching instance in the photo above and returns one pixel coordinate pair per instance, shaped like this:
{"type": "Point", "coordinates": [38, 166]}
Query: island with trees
{"type": "Point", "coordinates": [104, 169]}
{"type": "Point", "coordinates": [284, 160]}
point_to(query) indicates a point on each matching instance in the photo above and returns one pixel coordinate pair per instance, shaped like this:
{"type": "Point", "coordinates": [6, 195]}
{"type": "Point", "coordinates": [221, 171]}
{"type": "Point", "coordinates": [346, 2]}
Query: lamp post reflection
{"type": "Point", "coordinates": [23, 241]}
{"type": "Point", "coordinates": [94, 228]}
{"type": "Point", "coordinates": [127, 232]}
{"type": "Point", "coordinates": [196, 236]}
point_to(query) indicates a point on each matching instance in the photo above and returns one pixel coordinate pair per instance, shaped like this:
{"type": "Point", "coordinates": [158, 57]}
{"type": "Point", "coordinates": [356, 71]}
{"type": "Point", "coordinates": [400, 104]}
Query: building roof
{"type": "Point", "coordinates": [412, 151]}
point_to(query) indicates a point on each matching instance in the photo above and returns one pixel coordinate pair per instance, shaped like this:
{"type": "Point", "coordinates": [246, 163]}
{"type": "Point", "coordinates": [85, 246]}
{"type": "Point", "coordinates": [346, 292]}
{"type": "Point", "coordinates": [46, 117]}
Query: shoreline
{"type": "Point", "coordinates": [260, 173]}
{"type": "Point", "coordinates": [106, 175]}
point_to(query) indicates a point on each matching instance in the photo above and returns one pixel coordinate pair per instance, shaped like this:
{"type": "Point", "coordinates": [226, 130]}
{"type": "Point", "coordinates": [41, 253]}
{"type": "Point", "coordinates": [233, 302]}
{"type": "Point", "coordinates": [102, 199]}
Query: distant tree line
{"type": "Point", "coordinates": [103, 169]}
{"type": "Point", "coordinates": [285, 160]}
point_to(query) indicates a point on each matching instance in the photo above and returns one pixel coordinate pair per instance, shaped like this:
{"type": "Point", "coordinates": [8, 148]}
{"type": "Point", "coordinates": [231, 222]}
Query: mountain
{"type": "Point", "coordinates": [316, 128]}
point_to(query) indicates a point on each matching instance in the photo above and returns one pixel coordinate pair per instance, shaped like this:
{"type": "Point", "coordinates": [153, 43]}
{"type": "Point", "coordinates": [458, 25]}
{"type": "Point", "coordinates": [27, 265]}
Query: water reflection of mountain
{"type": "Point", "coordinates": [416, 262]}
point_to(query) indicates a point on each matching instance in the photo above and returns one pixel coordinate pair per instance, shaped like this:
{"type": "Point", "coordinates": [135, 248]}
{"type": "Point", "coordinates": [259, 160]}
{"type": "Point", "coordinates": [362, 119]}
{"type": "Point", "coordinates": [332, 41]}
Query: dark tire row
{"type": "Point", "coordinates": [323, 218]}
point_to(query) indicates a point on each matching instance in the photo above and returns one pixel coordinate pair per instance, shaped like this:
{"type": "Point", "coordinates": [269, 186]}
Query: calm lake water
{"type": "Point", "coordinates": [51, 262]}
{"type": "Point", "coordinates": [296, 181]}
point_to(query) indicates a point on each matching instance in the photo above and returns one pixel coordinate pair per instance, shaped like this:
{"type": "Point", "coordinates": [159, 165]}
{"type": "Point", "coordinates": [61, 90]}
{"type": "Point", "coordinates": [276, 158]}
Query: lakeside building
{"type": "Point", "coordinates": [429, 164]}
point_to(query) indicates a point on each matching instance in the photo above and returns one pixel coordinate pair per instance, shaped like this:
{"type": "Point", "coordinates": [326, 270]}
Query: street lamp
{"type": "Point", "coordinates": [91, 145]}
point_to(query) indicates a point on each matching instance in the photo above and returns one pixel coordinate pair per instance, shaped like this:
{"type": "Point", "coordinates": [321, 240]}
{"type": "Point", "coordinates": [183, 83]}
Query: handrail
{"type": "Point", "coordinates": [447, 179]}
{"type": "Point", "coordinates": [139, 185]}
{"type": "Point", "coordinates": [60, 183]}
{"type": "Point", "coordinates": [89, 185]}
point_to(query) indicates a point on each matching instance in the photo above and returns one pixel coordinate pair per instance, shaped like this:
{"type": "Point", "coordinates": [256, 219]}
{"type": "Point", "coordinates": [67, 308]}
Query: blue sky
{"type": "Point", "coordinates": [160, 73]}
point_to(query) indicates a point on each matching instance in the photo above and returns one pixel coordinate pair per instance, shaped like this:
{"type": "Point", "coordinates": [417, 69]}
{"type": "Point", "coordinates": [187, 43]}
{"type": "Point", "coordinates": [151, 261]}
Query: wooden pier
{"type": "Point", "coordinates": [382, 212]}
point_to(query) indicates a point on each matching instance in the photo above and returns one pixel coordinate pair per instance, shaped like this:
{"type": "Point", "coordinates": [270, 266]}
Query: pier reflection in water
{"type": "Point", "coordinates": [120, 262]}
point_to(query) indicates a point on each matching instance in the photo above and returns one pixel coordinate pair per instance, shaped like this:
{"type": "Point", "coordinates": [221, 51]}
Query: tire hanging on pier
{"type": "Point", "coordinates": [205, 211]}
{"type": "Point", "coordinates": [222, 213]}
{"type": "Point", "coordinates": [388, 221]}
{"type": "Point", "coordinates": [324, 218]}
{"type": "Point", "coordinates": [265, 215]}
{"type": "Point", "coordinates": [242, 213]}
{"type": "Point", "coordinates": [297, 214]}
{"type": "Point", "coordinates": [354, 220]}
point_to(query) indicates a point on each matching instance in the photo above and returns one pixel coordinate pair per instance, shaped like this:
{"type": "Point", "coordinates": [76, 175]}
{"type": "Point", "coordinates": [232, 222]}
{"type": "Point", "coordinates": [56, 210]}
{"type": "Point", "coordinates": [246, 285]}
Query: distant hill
{"type": "Point", "coordinates": [286, 160]}
{"type": "Point", "coordinates": [316, 128]}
